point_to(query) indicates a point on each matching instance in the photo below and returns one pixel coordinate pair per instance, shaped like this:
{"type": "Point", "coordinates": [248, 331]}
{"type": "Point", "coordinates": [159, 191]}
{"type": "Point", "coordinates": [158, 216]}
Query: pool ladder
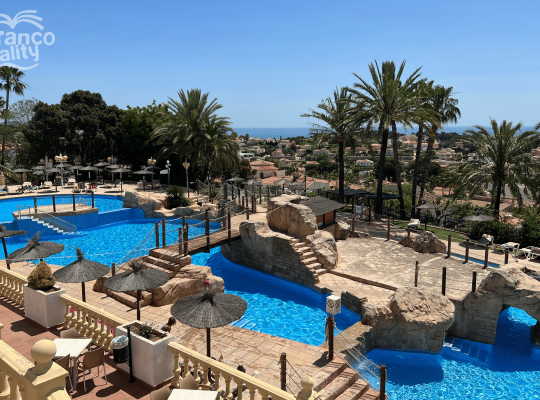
{"type": "Point", "coordinates": [466, 347]}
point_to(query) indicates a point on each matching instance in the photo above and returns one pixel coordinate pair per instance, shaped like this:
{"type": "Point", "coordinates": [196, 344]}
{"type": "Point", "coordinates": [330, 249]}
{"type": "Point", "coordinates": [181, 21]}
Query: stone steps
{"type": "Point", "coordinates": [156, 262]}
{"type": "Point", "coordinates": [339, 385]}
{"type": "Point", "coordinates": [321, 271]}
{"type": "Point", "coordinates": [354, 392]}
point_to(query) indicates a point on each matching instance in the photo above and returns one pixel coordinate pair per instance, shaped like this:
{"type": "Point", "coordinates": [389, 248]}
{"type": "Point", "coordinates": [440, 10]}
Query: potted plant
{"type": "Point", "coordinates": [151, 361]}
{"type": "Point", "coordinates": [42, 302]}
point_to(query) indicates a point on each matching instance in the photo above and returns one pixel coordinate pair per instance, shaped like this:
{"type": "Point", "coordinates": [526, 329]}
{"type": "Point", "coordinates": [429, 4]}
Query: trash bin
{"type": "Point", "coordinates": [120, 349]}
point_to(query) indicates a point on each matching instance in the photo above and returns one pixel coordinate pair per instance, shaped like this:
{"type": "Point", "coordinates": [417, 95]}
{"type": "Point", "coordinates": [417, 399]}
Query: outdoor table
{"type": "Point", "coordinates": [73, 347]}
{"type": "Point", "coordinates": [186, 394]}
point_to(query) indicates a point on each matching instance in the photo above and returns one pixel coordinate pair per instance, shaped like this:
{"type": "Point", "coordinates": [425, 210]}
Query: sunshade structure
{"type": "Point", "coordinates": [76, 168]}
{"type": "Point", "coordinates": [323, 208]}
{"type": "Point", "coordinates": [478, 218]}
{"type": "Point", "coordinates": [4, 233]}
{"type": "Point", "coordinates": [89, 169]}
{"type": "Point", "coordinates": [137, 280]}
{"type": "Point", "coordinates": [427, 206]}
{"type": "Point", "coordinates": [121, 170]}
{"type": "Point", "coordinates": [21, 171]}
{"type": "Point", "coordinates": [348, 192]}
{"type": "Point", "coordinates": [101, 164]}
{"type": "Point", "coordinates": [35, 250]}
{"type": "Point", "coordinates": [235, 179]}
{"type": "Point", "coordinates": [38, 168]}
{"type": "Point", "coordinates": [81, 271]}
{"type": "Point", "coordinates": [209, 310]}
{"type": "Point", "coordinates": [144, 172]}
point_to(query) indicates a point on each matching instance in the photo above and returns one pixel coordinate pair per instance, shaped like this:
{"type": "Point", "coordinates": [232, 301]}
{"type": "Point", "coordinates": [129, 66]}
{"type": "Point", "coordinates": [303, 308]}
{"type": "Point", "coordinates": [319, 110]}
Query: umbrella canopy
{"type": "Point", "coordinates": [38, 172]}
{"type": "Point", "coordinates": [138, 278]}
{"type": "Point", "coordinates": [35, 250]}
{"type": "Point", "coordinates": [121, 169]}
{"type": "Point", "coordinates": [53, 170]}
{"type": "Point", "coordinates": [4, 233]}
{"type": "Point", "coordinates": [89, 168]}
{"type": "Point", "coordinates": [115, 166]}
{"type": "Point", "coordinates": [63, 165]}
{"type": "Point", "coordinates": [101, 164]}
{"type": "Point", "coordinates": [21, 170]}
{"type": "Point", "coordinates": [38, 168]}
{"type": "Point", "coordinates": [153, 168]}
{"type": "Point", "coordinates": [235, 179]}
{"type": "Point", "coordinates": [78, 166]}
{"type": "Point", "coordinates": [144, 172]}
{"type": "Point", "coordinates": [478, 218]}
{"type": "Point", "coordinates": [81, 271]}
{"type": "Point", "coordinates": [427, 206]}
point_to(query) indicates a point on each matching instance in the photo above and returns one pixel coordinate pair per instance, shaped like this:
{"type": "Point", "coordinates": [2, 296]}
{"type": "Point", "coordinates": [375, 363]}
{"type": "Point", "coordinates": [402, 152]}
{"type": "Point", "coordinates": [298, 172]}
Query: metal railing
{"type": "Point", "coordinates": [50, 219]}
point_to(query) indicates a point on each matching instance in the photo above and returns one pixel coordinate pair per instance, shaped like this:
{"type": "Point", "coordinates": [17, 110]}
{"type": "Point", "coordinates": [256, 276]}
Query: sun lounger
{"type": "Point", "coordinates": [27, 185]}
{"type": "Point", "coordinates": [76, 189]}
{"type": "Point", "coordinates": [511, 246]}
{"type": "Point", "coordinates": [529, 252]}
{"type": "Point", "coordinates": [71, 182]}
{"type": "Point", "coordinates": [485, 239]}
{"type": "Point", "coordinates": [46, 185]}
{"type": "Point", "coordinates": [106, 185]}
{"type": "Point", "coordinates": [414, 224]}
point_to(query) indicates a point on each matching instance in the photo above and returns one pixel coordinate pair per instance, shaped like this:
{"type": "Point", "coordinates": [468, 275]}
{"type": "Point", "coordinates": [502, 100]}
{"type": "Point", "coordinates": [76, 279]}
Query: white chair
{"type": "Point", "coordinates": [46, 185]}
{"type": "Point", "coordinates": [414, 223]}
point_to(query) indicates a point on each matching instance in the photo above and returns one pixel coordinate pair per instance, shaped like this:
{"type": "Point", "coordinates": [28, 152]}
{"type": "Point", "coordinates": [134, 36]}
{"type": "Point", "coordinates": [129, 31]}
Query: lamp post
{"type": "Point", "coordinates": [60, 159]}
{"type": "Point", "coordinates": [151, 163]}
{"type": "Point", "coordinates": [168, 166]}
{"type": "Point", "coordinates": [112, 160]}
{"type": "Point", "coordinates": [185, 164]}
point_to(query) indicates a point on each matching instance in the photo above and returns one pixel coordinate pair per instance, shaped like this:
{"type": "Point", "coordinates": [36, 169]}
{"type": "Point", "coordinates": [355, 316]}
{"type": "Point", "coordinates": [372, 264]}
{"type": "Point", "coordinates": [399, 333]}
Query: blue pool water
{"type": "Point", "coordinates": [104, 203]}
{"type": "Point", "coordinates": [474, 260]}
{"type": "Point", "coordinates": [511, 369]}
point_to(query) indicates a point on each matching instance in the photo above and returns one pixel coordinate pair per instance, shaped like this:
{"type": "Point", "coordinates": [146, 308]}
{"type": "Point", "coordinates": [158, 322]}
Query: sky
{"type": "Point", "coordinates": [268, 62]}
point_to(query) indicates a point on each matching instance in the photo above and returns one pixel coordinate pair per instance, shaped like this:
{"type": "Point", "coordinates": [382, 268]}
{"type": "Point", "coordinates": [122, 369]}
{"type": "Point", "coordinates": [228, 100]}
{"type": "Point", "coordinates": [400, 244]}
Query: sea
{"type": "Point", "coordinates": [276, 133]}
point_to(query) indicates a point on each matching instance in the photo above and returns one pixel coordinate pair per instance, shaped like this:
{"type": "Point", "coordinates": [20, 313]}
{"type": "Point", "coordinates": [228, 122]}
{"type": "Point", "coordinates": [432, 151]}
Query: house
{"type": "Point", "coordinates": [445, 154]}
{"type": "Point", "coordinates": [305, 146]}
{"type": "Point", "coordinates": [376, 148]}
{"type": "Point", "coordinates": [362, 150]}
{"type": "Point", "coordinates": [284, 144]}
{"type": "Point", "coordinates": [263, 169]}
{"type": "Point", "coordinates": [246, 156]}
{"type": "Point", "coordinates": [277, 153]}
{"type": "Point", "coordinates": [300, 152]}
{"type": "Point", "coordinates": [312, 163]}
{"type": "Point", "coordinates": [321, 152]}
{"type": "Point", "coordinates": [271, 141]}
{"type": "Point", "coordinates": [364, 163]}
{"type": "Point", "coordinates": [284, 163]}
{"type": "Point", "coordinates": [458, 144]}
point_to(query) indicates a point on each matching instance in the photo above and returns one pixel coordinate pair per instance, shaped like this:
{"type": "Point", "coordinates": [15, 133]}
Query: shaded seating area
{"type": "Point", "coordinates": [323, 208]}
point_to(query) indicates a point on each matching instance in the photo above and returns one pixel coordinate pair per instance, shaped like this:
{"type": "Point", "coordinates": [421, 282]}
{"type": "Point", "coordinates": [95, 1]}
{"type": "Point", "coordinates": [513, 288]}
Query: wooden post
{"type": "Point", "coordinates": [283, 372]}
{"type": "Point", "coordinates": [73, 201]}
{"type": "Point", "coordinates": [388, 234]}
{"type": "Point", "coordinates": [163, 233]}
{"type": "Point", "coordinates": [416, 270]}
{"type": "Point", "coordinates": [35, 204]}
{"type": "Point", "coordinates": [186, 239]}
{"type": "Point", "coordinates": [92, 199]}
{"type": "Point", "coordinates": [330, 324]}
{"type": "Point", "coordinates": [207, 230]}
{"type": "Point", "coordinates": [180, 240]}
{"type": "Point", "coordinates": [260, 194]}
{"type": "Point", "coordinates": [474, 281]}
{"type": "Point", "coordinates": [267, 196]}
{"type": "Point", "coordinates": [486, 256]}
{"type": "Point", "coordinates": [382, 392]}
{"type": "Point", "coordinates": [138, 305]}
{"type": "Point", "coordinates": [247, 213]}
{"type": "Point", "coordinates": [113, 269]}
{"type": "Point", "coordinates": [83, 288]}
{"type": "Point", "coordinates": [449, 245]}
{"type": "Point", "coordinates": [254, 203]}
{"type": "Point", "coordinates": [506, 256]}
{"type": "Point", "coordinates": [157, 234]}
{"type": "Point", "coordinates": [408, 231]}
{"type": "Point", "coordinates": [53, 203]}
{"type": "Point", "coordinates": [198, 186]}
{"type": "Point", "coordinates": [243, 206]}
{"type": "Point", "coordinates": [444, 281]}
{"type": "Point", "coordinates": [466, 251]}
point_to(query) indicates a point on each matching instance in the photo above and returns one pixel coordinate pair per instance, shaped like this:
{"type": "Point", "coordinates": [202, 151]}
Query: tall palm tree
{"type": "Point", "coordinates": [389, 101]}
{"type": "Point", "coordinates": [446, 107]}
{"type": "Point", "coordinates": [338, 125]}
{"type": "Point", "coordinates": [193, 125]}
{"type": "Point", "coordinates": [10, 81]}
{"type": "Point", "coordinates": [502, 161]}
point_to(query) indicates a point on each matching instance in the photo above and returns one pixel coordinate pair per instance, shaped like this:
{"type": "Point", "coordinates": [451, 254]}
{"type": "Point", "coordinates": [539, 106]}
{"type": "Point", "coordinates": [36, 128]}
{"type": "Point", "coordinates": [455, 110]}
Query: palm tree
{"type": "Point", "coordinates": [10, 81]}
{"type": "Point", "coordinates": [194, 129]}
{"type": "Point", "coordinates": [339, 126]}
{"type": "Point", "coordinates": [502, 161]}
{"type": "Point", "coordinates": [387, 102]}
{"type": "Point", "coordinates": [445, 106]}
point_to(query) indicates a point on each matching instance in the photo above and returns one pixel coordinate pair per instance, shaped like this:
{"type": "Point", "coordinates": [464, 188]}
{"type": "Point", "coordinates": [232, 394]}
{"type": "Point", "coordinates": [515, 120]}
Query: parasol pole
{"type": "Point", "coordinates": [5, 252]}
{"type": "Point", "coordinates": [208, 340]}
{"type": "Point", "coordinates": [138, 305]}
{"type": "Point", "coordinates": [83, 292]}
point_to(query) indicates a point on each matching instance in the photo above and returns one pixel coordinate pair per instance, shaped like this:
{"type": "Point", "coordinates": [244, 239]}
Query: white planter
{"type": "Point", "coordinates": [152, 362]}
{"type": "Point", "coordinates": [44, 308]}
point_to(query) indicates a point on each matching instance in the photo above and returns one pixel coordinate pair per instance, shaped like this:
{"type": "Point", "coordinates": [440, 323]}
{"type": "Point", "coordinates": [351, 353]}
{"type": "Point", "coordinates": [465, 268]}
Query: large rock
{"type": "Point", "coordinates": [145, 203]}
{"type": "Point", "coordinates": [324, 246]}
{"type": "Point", "coordinates": [412, 320]}
{"type": "Point", "coordinates": [294, 219]}
{"type": "Point", "coordinates": [343, 230]}
{"type": "Point", "coordinates": [257, 236]}
{"type": "Point", "coordinates": [427, 242]}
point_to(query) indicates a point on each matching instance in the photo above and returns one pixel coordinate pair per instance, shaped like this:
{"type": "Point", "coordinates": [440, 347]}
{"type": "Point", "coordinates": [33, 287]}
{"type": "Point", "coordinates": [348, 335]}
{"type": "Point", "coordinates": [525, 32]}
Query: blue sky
{"type": "Point", "coordinates": [268, 62]}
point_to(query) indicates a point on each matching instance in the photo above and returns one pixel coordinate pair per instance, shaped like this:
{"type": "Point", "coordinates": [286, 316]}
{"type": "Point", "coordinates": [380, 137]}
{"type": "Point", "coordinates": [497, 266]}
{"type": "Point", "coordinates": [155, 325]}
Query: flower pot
{"type": "Point", "coordinates": [44, 308]}
{"type": "Point", "coordinates": [152, 362]}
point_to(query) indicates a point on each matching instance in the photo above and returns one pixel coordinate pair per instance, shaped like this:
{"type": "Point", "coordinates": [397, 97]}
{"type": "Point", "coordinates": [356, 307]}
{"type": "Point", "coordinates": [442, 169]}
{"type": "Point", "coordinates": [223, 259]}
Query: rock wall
{"type": "Point", "coordinates": [425, 242]}
{"type": "Point", "coordinates": [285, 215]}
{"type": "Point", "coordinates": [324, 246]}
{"type": "Point", "coordinates": [267, 251]}
{"type": "Point", "coordinates": [145, 203]}
{"type": "Point", "coordinates": [353, 302]}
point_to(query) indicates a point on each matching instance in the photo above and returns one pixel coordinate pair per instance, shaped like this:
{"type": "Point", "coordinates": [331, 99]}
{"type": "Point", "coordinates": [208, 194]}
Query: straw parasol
{"type": "Point", "coordinates": [89, 169]}
{"type": "Point", "coordinates": [138, 279]}
{"type": "Point", "coordinates": [21, 171]}
{"type": "Point", "coordinates": [427, 206]}
{"type": "Point", "coordinates": [101, 164]}
{"type": "Point", "coordinates": [4, 233]}
{"type": "Point", "coordinates": [144, 172]}
{"type": "Point", "coordinates": [35, 250]}
{"type": "Point", "coordinates": [235, 179]}
{"type": "Point", "coordinates": [209, 310]}
{"type": "Point", "coordinates": [81, 271]}
{"type": "Point", "coordinates": [121, 170]}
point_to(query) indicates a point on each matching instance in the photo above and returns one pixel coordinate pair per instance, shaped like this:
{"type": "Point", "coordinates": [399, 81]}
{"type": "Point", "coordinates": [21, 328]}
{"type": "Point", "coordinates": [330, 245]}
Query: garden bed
{"type": "Point", "coordinates": [148, 332]}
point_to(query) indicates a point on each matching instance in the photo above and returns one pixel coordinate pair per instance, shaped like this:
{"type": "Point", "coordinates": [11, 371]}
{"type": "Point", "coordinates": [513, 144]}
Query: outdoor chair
{"type": "Point", "coordinates": [27, 185]}
{"type": "Point", "coordinates": [93, 359]}
{"type": "Point", "coordinates": [46, 185]}
{"type": "Point", "coordinates": [76, 190]}
{"type": "Point", "coordinates": [161, 394]}
{"type": "Point", "coordinates": [532, 251]}
{"type": "Point", "coordinates": [106, 185]}
{"type": "Point", "coordinates": [58, 182]}
{"type": "Point", "coordinates": [485, 239]}
{"type": "Point", "coordinates": [505, 246]}
{"type": "Point", "coordinates": [71, 182]}
{"type": "Point", "coordinates": [156, 184]}
{"type": "Point", "coordinates": [64, 363]}
{"type": "Point", "coordinates": [4, 191]}
{"type": "Point", "coordinates": [414, 223]}
{"type": "Point", "coordinates": [70, 333]}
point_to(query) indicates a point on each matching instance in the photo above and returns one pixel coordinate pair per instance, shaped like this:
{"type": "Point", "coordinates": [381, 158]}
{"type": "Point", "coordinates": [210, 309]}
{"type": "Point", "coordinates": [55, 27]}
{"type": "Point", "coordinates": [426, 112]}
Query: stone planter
{"type": "Point", "coordinates": [44, 308]}
{"type": "Point", "coordinates": [152, 362]}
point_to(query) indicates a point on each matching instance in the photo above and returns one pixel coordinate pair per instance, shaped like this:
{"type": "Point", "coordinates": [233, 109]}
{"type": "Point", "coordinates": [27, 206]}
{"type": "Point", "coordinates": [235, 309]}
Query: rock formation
{"type": "Point", "coordinates": [412, 320]}
{"type": "Point", "coordinates": [477, 313]}
{"type": "Point", "coordinates": [324, 246]}
{"type": "Point", "coordinates": [343, 230]}
{"type": "Point", "coordinates": [285, 215]}
{"type": "Point", "coordinates": [145, 203]}
{"type": "Point", "coordinates": [425, 242]}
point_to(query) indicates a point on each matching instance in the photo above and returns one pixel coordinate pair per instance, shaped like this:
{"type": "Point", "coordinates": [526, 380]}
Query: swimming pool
{"type": "Point", "coordinates": [475, 260]}
{"type": "Point", "coordinates": [104, 203]}
{"type": "Point", "coordinates": [511, 369]}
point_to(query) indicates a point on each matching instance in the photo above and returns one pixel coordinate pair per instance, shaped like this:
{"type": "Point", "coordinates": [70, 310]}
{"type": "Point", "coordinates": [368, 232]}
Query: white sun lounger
{"type": "Point", "coordinates": [414, 224]}
{"type": "Point", "coordinates": [46, 185]}
{"type": "Point", "coordinates": [71, 182]}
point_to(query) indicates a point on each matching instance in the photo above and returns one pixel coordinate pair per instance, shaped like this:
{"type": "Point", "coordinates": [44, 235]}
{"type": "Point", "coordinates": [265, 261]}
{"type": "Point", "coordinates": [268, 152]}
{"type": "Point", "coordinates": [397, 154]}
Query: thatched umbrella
{"type": "Point", "coordinates": [89, 168]}
{"type": "Point", "coordinates": [144, 172]}
{"type": "Point", "coordinates": [138, 279]}
{"type": "Point", "coordinates": [4, 233]}
{"type": "Point", "coordinates": [21, 171]}
{"type": "Point", "coordinates": [121, 170]}
{"type": "Point", "coordinates": [209, 310]}
{"type": "Point", "coordinates": [35, 250]}
{"type": "Point", "coordinates": [478, 218]}
{"type": "Point", "coordinates": [81, 271]}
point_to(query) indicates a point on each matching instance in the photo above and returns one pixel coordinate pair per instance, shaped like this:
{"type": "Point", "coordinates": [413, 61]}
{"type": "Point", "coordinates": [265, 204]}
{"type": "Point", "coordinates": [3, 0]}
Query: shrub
{"type": "Point", "coordinates": [501, 231]}
{"type": "Point", "coordinates": [176, 197]}
{"type": "Point", "coordinates": [41, 277]}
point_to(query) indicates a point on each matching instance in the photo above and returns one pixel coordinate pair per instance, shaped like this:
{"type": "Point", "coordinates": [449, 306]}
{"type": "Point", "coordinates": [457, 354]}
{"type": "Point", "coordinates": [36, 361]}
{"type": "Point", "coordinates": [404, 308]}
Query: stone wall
{"type": "Point", "coordinates": [352, 302]}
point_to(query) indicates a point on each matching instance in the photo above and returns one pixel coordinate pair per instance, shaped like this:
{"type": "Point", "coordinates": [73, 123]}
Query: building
{"type": "Point", "coordinates": [263, 169]}
{"type": "Point", "coordinates": [323, 208]}
{"type": "Point", "coordinates": [364, 163]}
{"type": "Point", "coordinates": [300, 152]}
{"type": "Point", "coordinates": [445, 154]}
{"type": "Point", "coordinates": [246, 156]}
{"type": "Point", "coordinates": [257, 149]}
{"type": "Point", "coordinates": [277, 153]}
{"type": "Point", "coordinates": [284, 163]}
{"type": "Point", "coordinates": [321, 152]}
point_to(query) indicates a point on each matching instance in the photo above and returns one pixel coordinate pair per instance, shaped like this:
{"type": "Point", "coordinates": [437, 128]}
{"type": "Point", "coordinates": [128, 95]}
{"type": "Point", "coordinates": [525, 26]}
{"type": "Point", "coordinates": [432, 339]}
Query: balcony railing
{"type": "Point", "coordinates": [11, 286]}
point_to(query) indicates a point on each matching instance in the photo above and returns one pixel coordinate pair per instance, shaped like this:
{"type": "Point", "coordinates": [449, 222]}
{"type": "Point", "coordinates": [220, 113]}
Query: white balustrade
{"type": "Point", "coordinates": [11, 286]}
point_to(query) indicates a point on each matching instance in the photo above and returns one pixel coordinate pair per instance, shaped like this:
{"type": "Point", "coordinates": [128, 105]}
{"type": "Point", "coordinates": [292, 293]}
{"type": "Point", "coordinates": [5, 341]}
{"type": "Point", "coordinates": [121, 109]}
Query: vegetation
{"type": "Point", "coordinates": [177, 197]}
{"type": "Point", "coordinates": [41, 278]}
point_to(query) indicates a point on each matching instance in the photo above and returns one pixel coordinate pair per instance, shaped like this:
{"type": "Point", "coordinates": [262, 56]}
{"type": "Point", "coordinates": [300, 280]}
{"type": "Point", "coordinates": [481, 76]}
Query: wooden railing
{"type": "Point", "coordinates": [20, 379]}
{"type": "Point", "coordinates": [7, 172]}
{"type": "Point", "coordinates": [11, 286]}
{"type": "Point", "coordinates": [91, 322]}
{"type": "Point", "coordinates": [229, 374]}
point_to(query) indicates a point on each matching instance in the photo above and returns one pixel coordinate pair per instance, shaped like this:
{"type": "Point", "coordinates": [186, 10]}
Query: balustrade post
{"type": "Point", "coordinates": [102, 334]}
{"type": "Point", "coordinates": [13, 389]}
{"type": "Point", "coordinates": [175, 381]}
{"type": "Point", "coordinates": [67, 316]}
{"type": "Point", "coordinates": [4, 385]}
{"type": "Point", "coordinates": [163, 230]}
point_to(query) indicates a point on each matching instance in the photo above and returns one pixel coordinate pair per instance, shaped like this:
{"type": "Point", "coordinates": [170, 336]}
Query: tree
{"type": "Point", "coordinates": [10, 81]}
{"type": "Point", "coordinates": [444, 106]}
{"type": "Point", "coordinates": [339, 126]}
{"type": "Point", "coordinates": [386, 102]}
{"type": "Point", "coordinates": [501, 162]}
{"type": "Point", "coordinates": [22, 112]}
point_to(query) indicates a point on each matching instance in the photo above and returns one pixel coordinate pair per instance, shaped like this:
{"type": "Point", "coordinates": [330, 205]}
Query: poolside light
{"type": "Point", "coordinates": [168, 166]}
{"type": "Point", "coordinates": [186, 165]}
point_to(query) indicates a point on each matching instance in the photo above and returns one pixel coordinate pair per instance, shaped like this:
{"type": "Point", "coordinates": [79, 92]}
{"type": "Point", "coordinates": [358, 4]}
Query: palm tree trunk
{"type": "Point", "coordinates": [397, 165]}
{"type": "Point", "coordinates": [427, 162]}
{"type": "Point", "coordinates": [417, 162]}
{"type": "Point", "coordinates": [382, 159]}
{"type": "Point", "coordinates": [341, 171]}
{"type": "Point", "coordinates": [498, 193]}
{"type": "Point", "coordinates": [5, 128]}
